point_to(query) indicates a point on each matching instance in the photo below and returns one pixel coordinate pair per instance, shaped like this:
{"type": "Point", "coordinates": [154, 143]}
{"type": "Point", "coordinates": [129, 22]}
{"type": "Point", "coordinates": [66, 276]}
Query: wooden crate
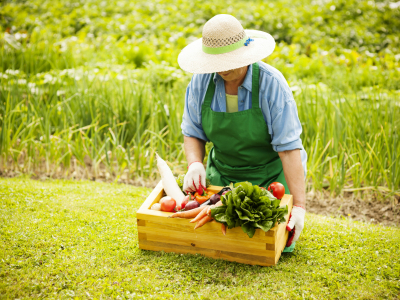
{"type": "Point", "coordinates": [157, 232]}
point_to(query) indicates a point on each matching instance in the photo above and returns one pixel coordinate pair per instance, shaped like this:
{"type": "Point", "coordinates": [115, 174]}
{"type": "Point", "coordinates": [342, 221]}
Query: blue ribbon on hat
{"type": "Point", "coordinates": [248, 41]}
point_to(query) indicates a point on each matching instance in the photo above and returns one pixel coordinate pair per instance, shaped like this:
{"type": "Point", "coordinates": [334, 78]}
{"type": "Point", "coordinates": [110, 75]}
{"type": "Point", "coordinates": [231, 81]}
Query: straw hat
{"type": "Point", "coordinates": [225, 46]}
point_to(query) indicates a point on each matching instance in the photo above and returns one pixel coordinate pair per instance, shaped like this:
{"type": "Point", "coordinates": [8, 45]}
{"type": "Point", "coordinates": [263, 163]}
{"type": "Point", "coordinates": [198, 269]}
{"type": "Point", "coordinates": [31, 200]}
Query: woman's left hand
{"type": "Point", "coordinates": [295, 224]}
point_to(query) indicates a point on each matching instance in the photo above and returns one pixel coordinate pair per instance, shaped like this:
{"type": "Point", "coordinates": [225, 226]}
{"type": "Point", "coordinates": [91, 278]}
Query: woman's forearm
{"type": "Point", "coordinates": [294, 175]}
{"type": "Point", "coordinates": [194, 149]}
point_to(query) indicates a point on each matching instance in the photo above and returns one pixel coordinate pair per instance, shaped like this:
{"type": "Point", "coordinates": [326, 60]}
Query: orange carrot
{"type": "Point", "coordinates": [187, 214]}
{"type": "Point", "coordinates": [203, 221]}
{"type": "Point", "coordinates": [223, 229]}
{"type": "Point", "coordinates": [200, 215]}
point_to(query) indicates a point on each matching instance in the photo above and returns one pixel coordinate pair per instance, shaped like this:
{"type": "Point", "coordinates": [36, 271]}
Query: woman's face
{"type": "Point", "coordinates": [232, 75]}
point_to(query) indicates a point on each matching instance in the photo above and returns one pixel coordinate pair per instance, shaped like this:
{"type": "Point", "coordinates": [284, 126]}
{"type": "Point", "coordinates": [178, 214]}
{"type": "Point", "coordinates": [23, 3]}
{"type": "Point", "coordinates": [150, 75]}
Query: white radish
{"type": "Point", "coordinates": [156, 206]}
{"type": "Point", "coordinates": [171, 188]}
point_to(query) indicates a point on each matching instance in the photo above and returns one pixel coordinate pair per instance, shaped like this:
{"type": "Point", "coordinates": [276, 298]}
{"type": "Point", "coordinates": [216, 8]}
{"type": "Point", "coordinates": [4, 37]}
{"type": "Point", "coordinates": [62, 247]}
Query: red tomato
{"type": "Point", "coordinates": [185, 201]}
{"type": "Point", "coordinates": [167, 204]}
{"type": "Point", "coordinates": [277, 189]}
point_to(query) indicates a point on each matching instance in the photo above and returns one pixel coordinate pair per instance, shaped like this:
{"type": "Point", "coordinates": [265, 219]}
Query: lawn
{"type": "Point", "coordinates": [63, 239]}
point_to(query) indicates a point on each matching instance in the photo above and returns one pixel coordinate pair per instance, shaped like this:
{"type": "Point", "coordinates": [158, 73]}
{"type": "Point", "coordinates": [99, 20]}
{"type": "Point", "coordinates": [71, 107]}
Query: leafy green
{"type": "Point", "coordinates": [179, 181]}
{"type": "Point", "coordinates": [249, 229]}
{"type": "Point", "coordinates": [249, 207]}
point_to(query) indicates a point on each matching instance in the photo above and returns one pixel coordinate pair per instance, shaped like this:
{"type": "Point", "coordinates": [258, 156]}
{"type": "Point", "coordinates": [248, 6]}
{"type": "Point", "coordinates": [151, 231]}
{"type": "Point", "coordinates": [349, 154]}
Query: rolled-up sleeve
{"type": "Point", "coordinates": [285, 124]}
{"type": "Point", "coordinates": [286, 128]}
{"type": "Point", "coordinates": [191, 122]}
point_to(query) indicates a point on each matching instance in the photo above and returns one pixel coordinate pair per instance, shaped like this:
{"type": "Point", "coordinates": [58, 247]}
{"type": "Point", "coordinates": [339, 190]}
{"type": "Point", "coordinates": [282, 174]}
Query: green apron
{"type": "Point", "coordinates": [242, 144]}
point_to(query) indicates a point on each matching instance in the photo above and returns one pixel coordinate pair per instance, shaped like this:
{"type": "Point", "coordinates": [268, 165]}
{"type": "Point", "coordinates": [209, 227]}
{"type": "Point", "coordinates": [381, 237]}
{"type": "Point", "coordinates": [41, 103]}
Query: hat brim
{"type": "Point", "coordinates": [192, 58]}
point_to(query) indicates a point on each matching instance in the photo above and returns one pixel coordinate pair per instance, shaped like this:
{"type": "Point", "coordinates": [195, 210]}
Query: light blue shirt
{"type": "Point", "coordinates": [276, 102]}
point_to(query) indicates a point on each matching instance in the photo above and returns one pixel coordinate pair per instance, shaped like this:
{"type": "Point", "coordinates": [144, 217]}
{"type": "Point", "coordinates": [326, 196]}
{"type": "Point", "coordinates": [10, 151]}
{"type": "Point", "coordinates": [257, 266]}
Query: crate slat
{"type": "Point", "coordinates": [203, 241]}
{"type": "Point", "coordinates": [217, 254]}
{"type": "Point", "coordinates": [234, 233]}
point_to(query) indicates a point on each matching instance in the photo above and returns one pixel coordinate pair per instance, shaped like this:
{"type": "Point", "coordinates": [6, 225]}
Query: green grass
{"type": "Point", "coordinates": [61, 239]}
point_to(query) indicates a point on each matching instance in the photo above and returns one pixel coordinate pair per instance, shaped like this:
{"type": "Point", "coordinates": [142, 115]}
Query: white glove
{"type": "Point", "coordinates": [195, 176]}
{"type": "Point", "coordinates": [296, 222]}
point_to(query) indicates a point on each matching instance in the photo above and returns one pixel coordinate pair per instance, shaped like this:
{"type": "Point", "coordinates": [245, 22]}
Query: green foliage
{"type": "Point", "coordinates": [249, 207]}
{"type": "Point", "coordinates": [61, 239]}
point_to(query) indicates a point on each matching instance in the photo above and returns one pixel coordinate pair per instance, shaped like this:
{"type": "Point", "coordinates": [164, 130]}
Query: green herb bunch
{"type": "Point", "coordinates": [179, 181]}
{"type": "Point", "coordinates": [250, 207]}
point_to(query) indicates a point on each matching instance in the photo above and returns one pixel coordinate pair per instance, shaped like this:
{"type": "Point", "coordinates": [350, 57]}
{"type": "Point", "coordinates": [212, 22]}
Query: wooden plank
{"type": "Point", "coordinates": [142, 236]}
{"type": "Point", "coordinates": [270, 246]}
{"type": "Point", "coordinates": [141, 222]}
{"type": "Point", "coordinates": [167, 247]}
{"type": "Point", "coordinates": [159, 217]}
{"type": "Point", "coordinates": [154, 197]}
{"type": "Point", "coordinates": [281, 245]}
{"type": "Point", "coordinates": [248, 259]}
{"type": "Point", "coordinates": [216, 254]}
{"type": "Point", "coordinates": [209, 242]}
{"type": "Point", "coordinates": [235, 233]}
{"type": "Point", "coordinates": [282, 234]}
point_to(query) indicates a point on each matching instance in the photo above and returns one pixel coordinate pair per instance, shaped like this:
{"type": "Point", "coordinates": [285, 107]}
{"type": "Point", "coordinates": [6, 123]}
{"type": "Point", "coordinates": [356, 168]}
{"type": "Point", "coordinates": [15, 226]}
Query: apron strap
{"type": "Point", "coordinates": [210, 92]}
{"type": "Point", "coordinates": [254, 86]}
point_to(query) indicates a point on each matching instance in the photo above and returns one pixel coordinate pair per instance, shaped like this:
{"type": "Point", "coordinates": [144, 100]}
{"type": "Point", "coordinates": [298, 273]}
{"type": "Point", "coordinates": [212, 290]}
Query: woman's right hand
{"type": "Point", "coordinates": [195, 176]}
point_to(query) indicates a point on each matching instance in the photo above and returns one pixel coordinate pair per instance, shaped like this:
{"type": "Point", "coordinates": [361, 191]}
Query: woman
{"type": "Point", "coordinates": [246, 109]}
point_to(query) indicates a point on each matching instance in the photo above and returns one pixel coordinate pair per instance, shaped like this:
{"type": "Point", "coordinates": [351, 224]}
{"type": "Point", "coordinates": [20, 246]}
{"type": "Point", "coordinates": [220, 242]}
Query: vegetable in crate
{"type": "Point", "coordinates": [277, 189]}
{"type": "Point", "coordinates": [249, 207]}
{"type": "Point", "coordinates": [191, 205]}
{"type": "Point", "coordinates": [179, 181]}
{"type": "Point", "coordinates": [167, 204]}
{"type": "Point", "coordinates": [171, 188]}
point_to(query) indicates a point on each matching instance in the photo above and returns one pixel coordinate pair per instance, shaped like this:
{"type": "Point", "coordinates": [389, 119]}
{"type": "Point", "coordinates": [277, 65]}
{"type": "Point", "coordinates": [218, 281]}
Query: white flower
{"type": "Point", "coordinates": [12, 72]}
{"type": "Point", "coordinates": [48, 78]}
{"type": "Point", "coordinates": [166, 109]}
{"type": "Point", "coordinates": [21, 81]}
{"type": "Point", "coordinates": [60, 92]}
{"type": "Point", "coordinates": [35, 90]}
{"type": "Point", "coordinates": [394, 5]}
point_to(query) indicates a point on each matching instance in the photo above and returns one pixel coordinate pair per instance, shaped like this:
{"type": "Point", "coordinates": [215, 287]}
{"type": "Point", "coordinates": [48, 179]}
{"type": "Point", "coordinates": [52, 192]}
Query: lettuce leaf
{"type": "Point", "coordinates": [249, 207]}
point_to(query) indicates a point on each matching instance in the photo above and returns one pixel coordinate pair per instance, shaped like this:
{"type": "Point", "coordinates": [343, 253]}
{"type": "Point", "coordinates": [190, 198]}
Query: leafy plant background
{"type": "Point", "coordinates": [92, 89]}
